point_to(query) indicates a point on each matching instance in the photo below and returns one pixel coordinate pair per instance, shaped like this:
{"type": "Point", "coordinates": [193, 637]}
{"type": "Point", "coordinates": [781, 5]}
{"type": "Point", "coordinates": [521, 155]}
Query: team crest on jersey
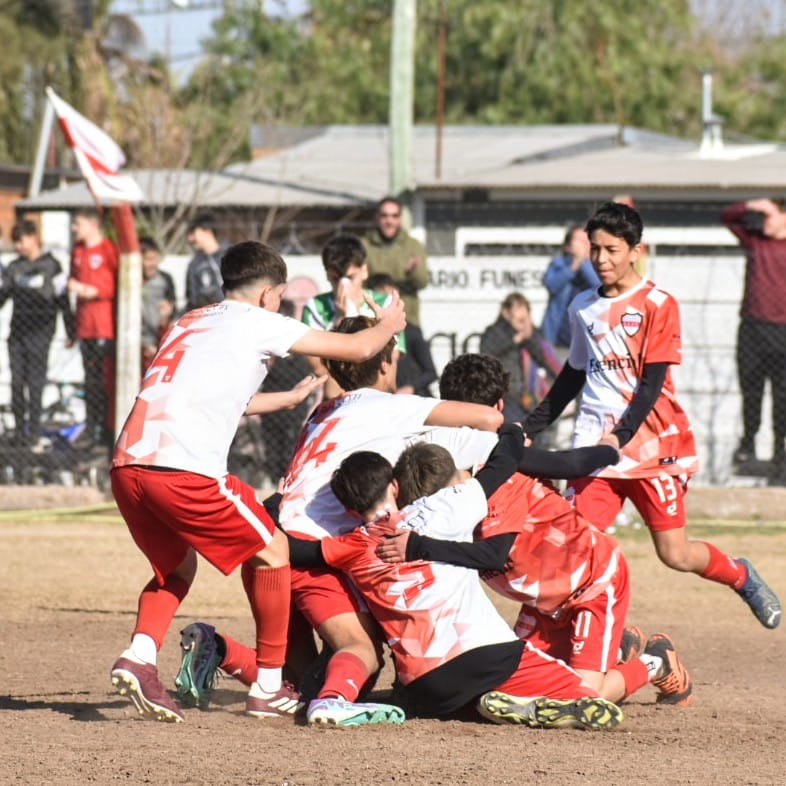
{"type": "Point", "coordinates": [631, 322]}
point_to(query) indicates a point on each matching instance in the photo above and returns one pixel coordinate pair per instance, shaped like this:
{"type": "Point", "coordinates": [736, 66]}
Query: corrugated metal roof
{"type": "Point", "coordinates": [348, 165]}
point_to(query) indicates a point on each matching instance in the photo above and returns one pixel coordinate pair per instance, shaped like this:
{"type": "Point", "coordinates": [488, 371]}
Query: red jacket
{"type": "Point", "coordinates": [97, 266]}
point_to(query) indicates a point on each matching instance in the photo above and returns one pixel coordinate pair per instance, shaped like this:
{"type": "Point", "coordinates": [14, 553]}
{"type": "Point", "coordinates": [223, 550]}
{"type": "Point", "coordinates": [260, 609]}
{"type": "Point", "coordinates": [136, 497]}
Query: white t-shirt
{"type": "Point", "coordinates": [364, 419]}
{"type": "Point", "coordinates": [210, 364]}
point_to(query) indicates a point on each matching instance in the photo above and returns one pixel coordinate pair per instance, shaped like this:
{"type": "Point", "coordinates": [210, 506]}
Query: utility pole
{"type": "Point", "coordinates": [402, 89]}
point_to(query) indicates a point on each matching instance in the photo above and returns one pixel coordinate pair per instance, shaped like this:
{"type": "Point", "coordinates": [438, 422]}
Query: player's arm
{"type": "Point", "coordinates": [650, 386]}
{"type": "Point", "coordinates": [306, 553]}
{"type": "Point", "coordinates": [566, 387]}
{"type": "Point", "coordinates": [262, 403]}
{"type": "Point", "coordinates": [489, 554]}
{"type": "Point", "coordinates": [463, 413]}
{"type": "Point", "coordinates": [568, 464]}
{"type": "Point", "coordinates": [360, 346]}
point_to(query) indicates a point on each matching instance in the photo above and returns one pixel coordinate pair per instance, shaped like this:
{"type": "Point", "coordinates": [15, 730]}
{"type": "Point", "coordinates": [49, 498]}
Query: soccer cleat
{"type": "Point", "coordinates": [674, 683]}
{"type": "Point", "coordinates": [196, 677]}
{"type": "Point", "coordinates": [631, 645]}
{"type": "Point", "coordinates": [546, 713]}
{"type": "Point", "coordinates": [339, 712]}
{"type": "Point", "coordinates": [284, 703]}
{"type": "Point", "coordinates": [140, 682]}
{"type": "Point", "coordinates": [763, 602]}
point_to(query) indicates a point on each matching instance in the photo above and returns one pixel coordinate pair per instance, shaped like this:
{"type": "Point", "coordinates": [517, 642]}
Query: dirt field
{"type": "Point", "coordinates": [68, 594]}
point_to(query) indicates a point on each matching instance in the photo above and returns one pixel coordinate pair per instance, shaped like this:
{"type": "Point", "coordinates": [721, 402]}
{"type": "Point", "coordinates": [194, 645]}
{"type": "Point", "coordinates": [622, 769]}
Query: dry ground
{"type": "Point", "coordinates": [67, 597]}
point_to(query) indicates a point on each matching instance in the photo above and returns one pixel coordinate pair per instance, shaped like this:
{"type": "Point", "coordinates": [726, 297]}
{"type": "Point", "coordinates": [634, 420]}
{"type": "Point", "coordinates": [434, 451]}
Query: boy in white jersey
{"type": "Point", "coordinates": [624, 337]}
{"type": "Point", "coordinates": [169, 470]}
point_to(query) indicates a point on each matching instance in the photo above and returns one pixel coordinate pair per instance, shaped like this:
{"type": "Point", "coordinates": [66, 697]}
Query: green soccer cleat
{"type": "Point", "coordinates": [197, 675]}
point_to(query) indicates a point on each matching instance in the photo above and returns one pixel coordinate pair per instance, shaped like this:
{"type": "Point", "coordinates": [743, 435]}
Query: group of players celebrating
{"type": "Point", "coordinates": [395, 506]}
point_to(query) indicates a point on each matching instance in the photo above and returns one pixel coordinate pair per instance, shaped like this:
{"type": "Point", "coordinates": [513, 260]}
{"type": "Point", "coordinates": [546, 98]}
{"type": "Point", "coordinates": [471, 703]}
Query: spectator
{"type": "Point", "coordinates": [524, 353]}
{"type": "Point", "coordinates": [416, 370]}
{"type": "Point", "coordinates": [390, 249]}
{"type": "Point", "coordinates": [203, 276]}
{"type": "Point", "coordinates": [566, 276]}
{"type": "Point", "coordinates": [760, 226]}
{"type": "Point", "coordinates": [158, 300]}
{"type": "Point", "coordinates": [36, 283]}
{"type": "Point", "coordinates": [93, 281]}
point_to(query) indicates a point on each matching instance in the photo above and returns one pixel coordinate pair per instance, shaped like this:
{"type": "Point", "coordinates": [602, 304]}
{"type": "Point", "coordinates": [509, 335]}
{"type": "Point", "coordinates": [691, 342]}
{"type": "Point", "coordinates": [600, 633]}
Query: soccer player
{"type": "Point", "coordinates": [624, 337]}
{"type": "Point", "coordinates": [571, 579]}
{"type": "Point", "coordinates": [369, 415]}
{"type": "Point", "coordinates": [450, 645]}
{"type": "Point", "coordinates": [169, 472]}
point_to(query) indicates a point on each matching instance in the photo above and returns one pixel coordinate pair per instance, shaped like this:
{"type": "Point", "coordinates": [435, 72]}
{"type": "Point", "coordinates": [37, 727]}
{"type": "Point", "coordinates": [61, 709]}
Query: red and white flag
{"type": "Point", "coordinates": [97, 154]}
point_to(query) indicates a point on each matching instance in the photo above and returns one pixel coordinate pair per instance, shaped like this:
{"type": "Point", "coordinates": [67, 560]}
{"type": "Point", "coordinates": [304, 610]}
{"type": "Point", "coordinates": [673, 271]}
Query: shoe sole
{"type": "Point", "coordinates": [364, 718]}
{"type": "Point", "coordinates": [128, 685]}
{"type": "Point", "coordinates": [545, 713]}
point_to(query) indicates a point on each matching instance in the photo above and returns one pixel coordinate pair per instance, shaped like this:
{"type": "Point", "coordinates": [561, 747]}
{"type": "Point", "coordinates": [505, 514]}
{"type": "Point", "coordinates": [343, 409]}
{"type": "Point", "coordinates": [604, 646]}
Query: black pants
{"type": "Point", "coordinates": [761, 355]}
{"type": "Point", "coordinates": [96, 353]}
{"type": "Point", "coordinates": [28, 355]}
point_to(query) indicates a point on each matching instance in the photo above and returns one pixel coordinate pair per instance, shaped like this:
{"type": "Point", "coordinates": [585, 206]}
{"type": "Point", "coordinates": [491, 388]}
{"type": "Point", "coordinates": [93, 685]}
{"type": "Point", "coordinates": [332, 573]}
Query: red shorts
{"type": "Point", "coordinates": [660, 500]}
{"type": "Point", "coordinates": [539, 674]}
{"type": "Point", "coordinates": [320, 594]}
{"type": "Point", "coordinates": [168, 512]}
{"type": "Point", "coordinates": [589, 634]}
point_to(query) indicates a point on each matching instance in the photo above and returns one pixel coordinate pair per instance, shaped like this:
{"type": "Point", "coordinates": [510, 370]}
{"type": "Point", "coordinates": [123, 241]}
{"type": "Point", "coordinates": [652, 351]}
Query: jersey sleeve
{"type": "Point", "coordinates": [451, 513]}
{"type": "Point", "coordinates": [341, 551]}
{"type": "Point", "coordinates": [577, 356]}
{"type": "Point", "coordinates": [468, 446]}
{"type": "Point", "coordinates": [277, 333]}
{"type": "Point", "coordinates": [664, 341]}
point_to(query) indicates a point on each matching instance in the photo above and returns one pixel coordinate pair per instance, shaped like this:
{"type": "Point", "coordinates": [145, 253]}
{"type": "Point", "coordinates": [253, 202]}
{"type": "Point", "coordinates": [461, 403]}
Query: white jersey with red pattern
{"type": "Point", "coordinates": [210, 363]}
{"type": "Point", "coordinates": [612, 338]}
{"type": "Point", "coordinates": [364, 419]}
{"type": "Point", "coordinates": [430, 612]}
{"type": "Point", "coordinates": [558, 558]}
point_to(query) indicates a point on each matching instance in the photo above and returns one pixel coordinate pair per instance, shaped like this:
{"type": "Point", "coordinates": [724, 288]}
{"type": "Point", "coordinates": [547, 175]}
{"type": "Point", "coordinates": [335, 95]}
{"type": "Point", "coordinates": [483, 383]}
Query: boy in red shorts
{"type": "Point", "coordinates": [624, 337]}
{"type": "Point", "coordinates": [169, 472]}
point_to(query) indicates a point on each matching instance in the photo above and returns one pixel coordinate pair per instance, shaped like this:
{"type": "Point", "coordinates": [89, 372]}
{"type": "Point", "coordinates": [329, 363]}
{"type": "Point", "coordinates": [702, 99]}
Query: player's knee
{"type": "Point", "coordinates": [676, 557]}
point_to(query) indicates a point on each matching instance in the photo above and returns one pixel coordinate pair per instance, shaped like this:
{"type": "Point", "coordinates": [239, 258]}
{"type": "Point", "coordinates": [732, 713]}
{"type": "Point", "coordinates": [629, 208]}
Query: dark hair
{"type": "Point", "coordinates": [286, 307]}
{"type": "Point", "coordinates": [250, 261]}
{"type": "Point", "coordinates": [380, 281]}
{"type": "Point", "coordinates": [618, 220]}
{"type": "Point", "coordinates": [569, 234]}
{"type": "Point", "coordinates": [87, 212]}
{"type": "Point", "coordinates": [23, 228]}
{"type": "Point", "coordinates": [361, 479]}
{"type": "Point", "coordinates": [422, 469]}
{"type": "Point", "coordinates": [342, 252]}
{"type": "Point", "coordinates": [147, 243]}
{"type": "Point", "coordinates": [514, 299]}
{"type": "Point", "coordinates": [203, 221]}
{"type": "Point", "coordinates": [478, 379]}
{"type": "Point", "coordinates": [352, 376]}
{"type": "Point", "coordinates": [389, 199]}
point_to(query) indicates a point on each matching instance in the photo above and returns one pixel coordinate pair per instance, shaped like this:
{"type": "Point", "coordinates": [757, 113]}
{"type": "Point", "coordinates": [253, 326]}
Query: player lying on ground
{"type": "Point", "coordinates": [571, 579]}
{"type": "Point", "coordinates": [624, 337]}
{"type": "Point", "coordinates": [169, 471]}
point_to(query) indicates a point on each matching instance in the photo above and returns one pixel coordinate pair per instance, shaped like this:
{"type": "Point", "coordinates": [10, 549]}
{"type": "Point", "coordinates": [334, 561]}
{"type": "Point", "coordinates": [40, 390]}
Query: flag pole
{"type": "Point", "coordinates": [128, 341]}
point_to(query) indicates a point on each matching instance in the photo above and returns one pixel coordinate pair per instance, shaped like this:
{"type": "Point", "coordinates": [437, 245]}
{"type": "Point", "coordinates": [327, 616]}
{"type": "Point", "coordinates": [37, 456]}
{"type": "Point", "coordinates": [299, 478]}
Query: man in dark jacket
{"type": "Point", "coordinates": [203, 276]}
{"type": "Point", "coordinates": [36, 283]}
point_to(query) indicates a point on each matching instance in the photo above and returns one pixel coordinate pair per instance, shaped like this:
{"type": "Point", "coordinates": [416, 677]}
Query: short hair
{"type": "Point", "coordinates": [360, 481]}
{"type": "Point", "coordinates": [514, 299]}
{"type": "Point", "coordinates": [203, 221]}
{"type": "Point", "coordinates": [619, 220]}
{"type": "Point", "coordinates": [422, 469]}
{"type": "Point", "coordinates": [779, 202]}
{"type": "Point", "coordinates": [87, 212]}
{"type": "Point", "coordinates": [571, 230]}
{"type": "Point", "coordinates": [286, 307]}
{"type": "Point", "coordinates": [23, 228]}
{"type": "Point", "coordinates": [352, 376]}
{"type": "Point", "coordinates": [250, 261]}
{"type": "Point", "coordinates": [147, 243]}
{"type": "Point", "coordinates": [476, 378]}
{"type": "Point", "coordinates": [391, 200]}
{"type": "Point", "coordinates": [380, 281]}
{"type": "Point", "coordinates": [341, 253]}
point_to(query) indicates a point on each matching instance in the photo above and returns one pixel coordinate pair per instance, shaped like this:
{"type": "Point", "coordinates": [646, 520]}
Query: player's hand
{"type": "Point", "coordinates": [613, 442]}
{"type": "Point", "coordinates": [306, 387]}
{"type": "Point", "coordinates": [394, 547]}
{"type": "Point", "coordinates": [392, 313]}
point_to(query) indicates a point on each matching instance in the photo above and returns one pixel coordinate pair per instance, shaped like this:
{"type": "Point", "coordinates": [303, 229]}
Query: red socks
{"type": "Point", "coordinates": [723, 569]}
{"type": "Point", "coordinates": [239, 661]}
{"type": "Point", "coordinates": [346, 674]}
{"type": "Point", "coordinates": [268, 591]}
{"type": "Point", "coordinates": [634, 673]}
{"type": "Point", "coordinates": [157, 607]}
